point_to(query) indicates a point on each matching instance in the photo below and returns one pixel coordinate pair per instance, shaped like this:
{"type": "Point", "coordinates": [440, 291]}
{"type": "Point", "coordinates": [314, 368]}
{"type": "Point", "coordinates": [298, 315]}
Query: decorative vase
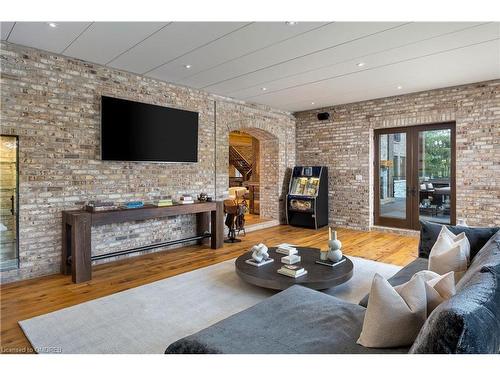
{"type": "Point", "coordinates": [334, 246]}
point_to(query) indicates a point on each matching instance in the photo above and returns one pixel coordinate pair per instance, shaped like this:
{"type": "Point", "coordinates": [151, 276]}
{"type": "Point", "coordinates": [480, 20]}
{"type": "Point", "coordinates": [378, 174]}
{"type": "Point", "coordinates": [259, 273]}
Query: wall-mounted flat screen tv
{"type": "Point", "coordinates": [133, 131]}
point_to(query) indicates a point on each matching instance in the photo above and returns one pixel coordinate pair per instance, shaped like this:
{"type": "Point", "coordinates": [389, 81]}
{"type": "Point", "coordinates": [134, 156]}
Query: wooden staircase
{"type": "Point", "coordinates": [240, 163]}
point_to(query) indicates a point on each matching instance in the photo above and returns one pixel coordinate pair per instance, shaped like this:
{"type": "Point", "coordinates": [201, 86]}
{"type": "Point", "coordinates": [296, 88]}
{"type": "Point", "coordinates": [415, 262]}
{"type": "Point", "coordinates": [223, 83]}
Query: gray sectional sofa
{"type": "Point", "coordinates": [300, 320]}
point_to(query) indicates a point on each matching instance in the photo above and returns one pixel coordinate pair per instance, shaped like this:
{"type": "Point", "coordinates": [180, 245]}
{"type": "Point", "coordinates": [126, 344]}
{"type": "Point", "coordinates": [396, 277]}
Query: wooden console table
{"type": "Point", "coordinates": [76, 232]}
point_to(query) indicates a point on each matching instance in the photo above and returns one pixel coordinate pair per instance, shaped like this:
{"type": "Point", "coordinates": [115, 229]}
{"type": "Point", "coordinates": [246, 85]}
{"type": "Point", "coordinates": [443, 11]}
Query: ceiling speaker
{"type": "Point", "coordinates": [323, 116]}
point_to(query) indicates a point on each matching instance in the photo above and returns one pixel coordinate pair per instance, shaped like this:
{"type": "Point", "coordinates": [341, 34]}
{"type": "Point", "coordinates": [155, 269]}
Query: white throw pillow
{"type": "Point", "coordinates": [460, 238]}
{"type": "Point", "coordinates": [438, 288]}
{"type": "Point", "coordinates": [450, 253]}
{"type": "Point", "coordinates": [394, 317]}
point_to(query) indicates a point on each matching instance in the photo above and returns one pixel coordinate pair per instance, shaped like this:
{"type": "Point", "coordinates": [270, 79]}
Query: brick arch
{"type": "Point", "coordinates": [261, 135]}
{"type": "Point", "coordinates": [269, 172]}
{"type": "Point", "coordinates": [273, 163]}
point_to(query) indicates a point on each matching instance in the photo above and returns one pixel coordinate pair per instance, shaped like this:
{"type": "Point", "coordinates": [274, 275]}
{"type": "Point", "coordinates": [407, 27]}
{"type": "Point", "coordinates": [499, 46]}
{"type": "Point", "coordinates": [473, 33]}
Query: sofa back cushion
{"type": "Point", "coordinates": [429, 233]}
{"type": "Point", "coordinates": [469, 322]}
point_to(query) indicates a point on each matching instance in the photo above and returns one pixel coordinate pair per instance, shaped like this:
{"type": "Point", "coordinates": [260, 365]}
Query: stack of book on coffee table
{"type": "Point", "coordinates": [292, 271]}
{"type": "Point", "coordinates": [287, 249]}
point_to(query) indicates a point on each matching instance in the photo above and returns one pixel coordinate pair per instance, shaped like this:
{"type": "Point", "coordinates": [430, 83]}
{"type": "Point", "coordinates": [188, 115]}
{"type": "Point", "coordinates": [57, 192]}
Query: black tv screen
{"type": "Point", "coordinates": [133, 131]}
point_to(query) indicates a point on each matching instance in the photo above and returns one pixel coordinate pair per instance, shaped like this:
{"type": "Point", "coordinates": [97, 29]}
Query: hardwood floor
{"type": "Point", "coordinates": [26, 299]}
{"type": "Point", "coordinates": [254, 219]}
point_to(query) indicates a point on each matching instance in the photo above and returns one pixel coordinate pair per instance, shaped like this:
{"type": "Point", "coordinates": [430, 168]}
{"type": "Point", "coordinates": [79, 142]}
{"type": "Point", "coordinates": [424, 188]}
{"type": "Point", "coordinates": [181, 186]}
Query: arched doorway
{"type": "Point", "coordinates": [276, 139]}
{"type": "Point", "coordinates": [253, 165]}
{"type": "Point", "coordinates": [269, 176]}
{"type": "Point", "coordinates": [244, 173]}
{"type": "Point", "coordinates": [267, 172]}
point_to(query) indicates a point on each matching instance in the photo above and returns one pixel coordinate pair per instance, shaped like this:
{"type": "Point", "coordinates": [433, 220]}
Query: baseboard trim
{"type": "Point", "coordinates": [401, 231]}
{"type": "Point", "coordinates": [263, 225]}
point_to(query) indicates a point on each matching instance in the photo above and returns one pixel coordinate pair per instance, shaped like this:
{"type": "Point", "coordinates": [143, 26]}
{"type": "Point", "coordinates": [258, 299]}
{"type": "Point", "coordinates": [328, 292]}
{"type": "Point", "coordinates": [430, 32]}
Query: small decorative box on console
{"type": "Point", "coordinates": [95, 206]}
{"type": "Point", "coordinates": [134, 204]}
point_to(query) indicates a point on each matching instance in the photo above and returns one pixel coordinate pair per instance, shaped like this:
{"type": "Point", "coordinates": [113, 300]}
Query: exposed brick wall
{"type": "Point", "coordinates": [53, 103]}
{"type": "Point", "coordinates": [344, 143]}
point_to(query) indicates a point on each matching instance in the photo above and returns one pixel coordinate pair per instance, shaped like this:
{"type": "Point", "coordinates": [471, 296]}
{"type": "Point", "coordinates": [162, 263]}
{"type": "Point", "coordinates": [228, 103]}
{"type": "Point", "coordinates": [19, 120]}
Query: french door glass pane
{"type": "Point", "coordinates": [8, 197]}
{"type": "Point", "coordinates": [434, 175]}
{"type": "Point", "coordinates": [392, 174]}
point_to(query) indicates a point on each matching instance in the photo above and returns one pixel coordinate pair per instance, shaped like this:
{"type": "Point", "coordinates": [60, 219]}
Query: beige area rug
{"type": "Point", "coordinates": [148, 318]}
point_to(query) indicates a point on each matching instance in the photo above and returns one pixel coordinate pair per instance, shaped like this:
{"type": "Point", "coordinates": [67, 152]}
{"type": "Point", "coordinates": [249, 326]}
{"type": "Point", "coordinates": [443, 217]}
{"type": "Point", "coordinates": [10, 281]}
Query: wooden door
{"type": "Point", "coordinates": [414, 175]}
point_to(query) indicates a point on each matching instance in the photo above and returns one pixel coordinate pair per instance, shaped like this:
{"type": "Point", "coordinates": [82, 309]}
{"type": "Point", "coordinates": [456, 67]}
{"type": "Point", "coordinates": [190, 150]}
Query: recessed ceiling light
{"type": "Point", "coordinates": [187, 66]}
{"type": "Point", "coordinates": [52, 24]}
{"type": "Point", "coordinates": [360, 64]}
{"type": "Point", "coordinates": [312, 103]}
{"type": "Point", "coordinates": [263, 89]}
{"type": "Point", "coordinates": [399, 87]}
{"type": "Point", "coordinates": [291, 23]}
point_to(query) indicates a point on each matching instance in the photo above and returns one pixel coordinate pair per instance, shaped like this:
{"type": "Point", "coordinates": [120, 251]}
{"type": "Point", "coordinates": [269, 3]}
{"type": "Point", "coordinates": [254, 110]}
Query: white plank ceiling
{"type": "Point", "coordinates": [291, 66]}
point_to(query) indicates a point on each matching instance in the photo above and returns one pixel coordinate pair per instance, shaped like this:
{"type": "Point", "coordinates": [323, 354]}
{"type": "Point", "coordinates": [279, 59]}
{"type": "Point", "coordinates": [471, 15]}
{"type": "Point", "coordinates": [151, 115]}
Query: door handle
{"type": "Point", "coordinates": [411, 191]}
{"type": "Point", "coordinates": [12, 210]}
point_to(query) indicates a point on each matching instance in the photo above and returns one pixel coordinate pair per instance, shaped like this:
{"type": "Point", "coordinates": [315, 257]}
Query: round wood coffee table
{"type": "Point", "coordinates": [318, 276]}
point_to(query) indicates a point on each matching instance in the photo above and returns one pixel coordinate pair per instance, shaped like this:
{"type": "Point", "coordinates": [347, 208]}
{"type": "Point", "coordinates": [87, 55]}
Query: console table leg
{"type": "Point", "coordinates": [66, 245]}
{"type": "Point", "coordinates": [81, 263]}
{"type": "Point", "coordinates": [202, 225]}
{"type": "Point", "coordinates": [217, 226]}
